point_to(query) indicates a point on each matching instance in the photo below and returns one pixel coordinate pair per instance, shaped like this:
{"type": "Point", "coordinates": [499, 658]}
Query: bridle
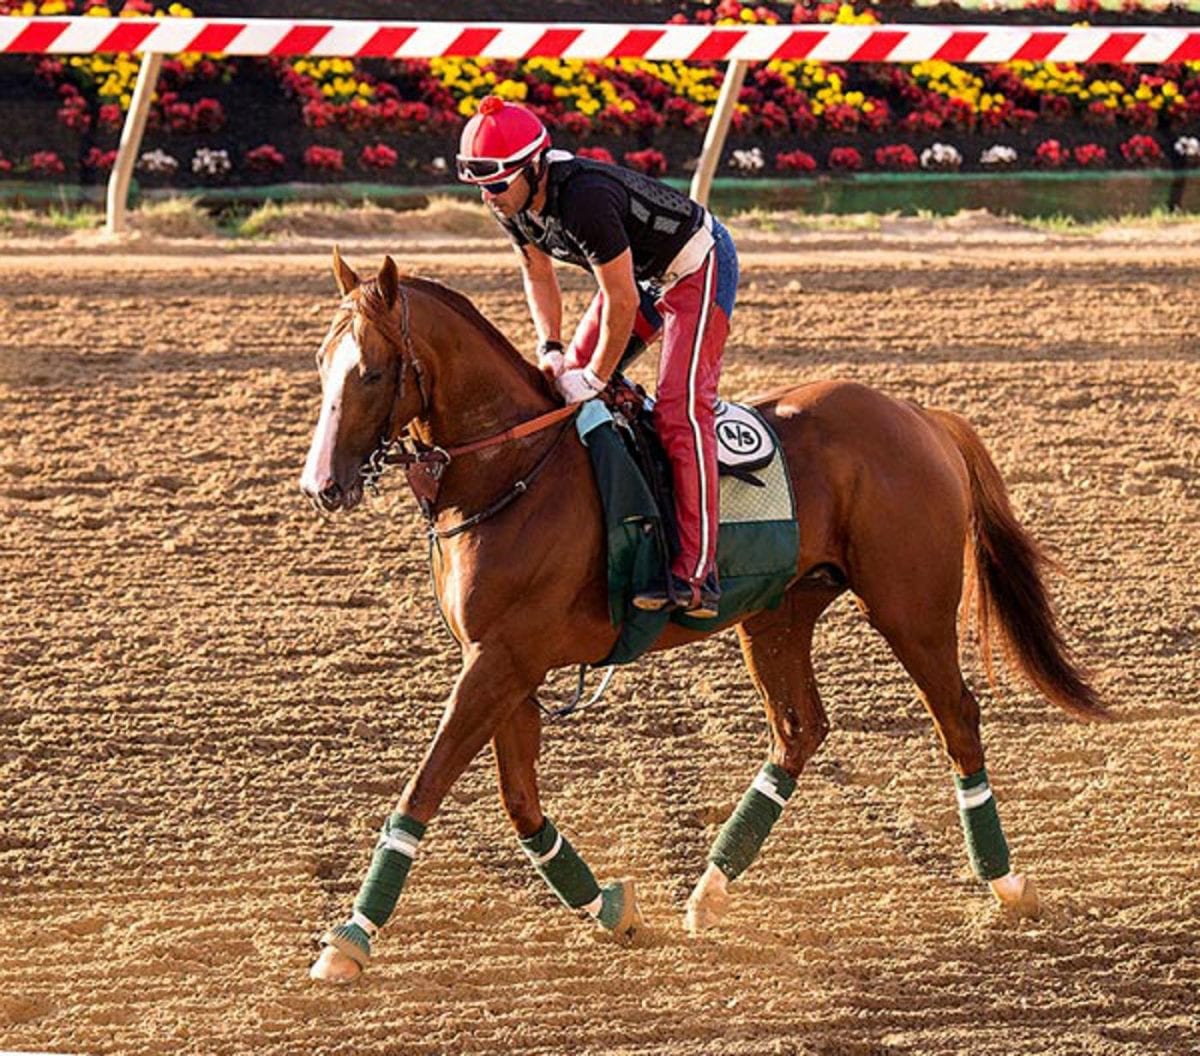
{"type": "Point", "coordinates": [425, 465]}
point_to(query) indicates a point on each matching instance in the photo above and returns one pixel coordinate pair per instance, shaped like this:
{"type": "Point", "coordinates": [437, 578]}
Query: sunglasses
{"type": "Point", "coordinates": [498, 186]}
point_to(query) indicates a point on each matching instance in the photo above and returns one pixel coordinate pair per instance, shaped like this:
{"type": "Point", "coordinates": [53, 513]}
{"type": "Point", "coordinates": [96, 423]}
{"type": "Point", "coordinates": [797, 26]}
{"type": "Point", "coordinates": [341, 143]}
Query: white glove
{"type": "Point", "coordinates": [575, 386]}
{"type": "Point", "coordinates": [552, 364]}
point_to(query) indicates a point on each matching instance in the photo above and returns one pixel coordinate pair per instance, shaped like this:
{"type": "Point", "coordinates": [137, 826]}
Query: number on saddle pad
{"type": "Point", "coordinates": [743, 441]}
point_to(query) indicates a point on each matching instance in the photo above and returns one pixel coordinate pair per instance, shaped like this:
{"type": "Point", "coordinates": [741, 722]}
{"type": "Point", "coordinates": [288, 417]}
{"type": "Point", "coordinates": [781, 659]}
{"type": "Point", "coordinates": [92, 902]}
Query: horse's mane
{"type": "Point", "coordinates": [372, 303]}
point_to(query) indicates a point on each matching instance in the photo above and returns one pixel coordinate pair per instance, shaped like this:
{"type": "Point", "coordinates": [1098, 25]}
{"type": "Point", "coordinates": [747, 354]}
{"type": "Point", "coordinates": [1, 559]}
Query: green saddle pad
{"type": "Point", "coordinates": [757, 545]}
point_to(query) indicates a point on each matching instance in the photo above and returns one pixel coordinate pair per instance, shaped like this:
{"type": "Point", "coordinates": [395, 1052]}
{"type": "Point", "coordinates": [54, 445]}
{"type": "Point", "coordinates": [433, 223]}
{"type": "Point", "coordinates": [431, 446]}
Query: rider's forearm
{"type": "Point", "coordinates": [616, 324]}
{"type": "Point", "coordinates": [545, 303]}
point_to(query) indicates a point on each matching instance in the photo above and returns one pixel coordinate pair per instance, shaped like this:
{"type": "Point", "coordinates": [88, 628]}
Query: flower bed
{"type": "Point", "coordinates": [216, 120]}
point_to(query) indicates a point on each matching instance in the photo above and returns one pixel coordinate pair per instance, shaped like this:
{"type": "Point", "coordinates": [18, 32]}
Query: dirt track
{"type": "Point", "coordinates": [212, 697]}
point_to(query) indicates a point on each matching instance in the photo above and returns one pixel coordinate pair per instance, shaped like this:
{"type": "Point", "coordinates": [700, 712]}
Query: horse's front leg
{"type": "Point", "coordinates": [516, 744]}
{"type": "Point", "coordinates": [488, 688]}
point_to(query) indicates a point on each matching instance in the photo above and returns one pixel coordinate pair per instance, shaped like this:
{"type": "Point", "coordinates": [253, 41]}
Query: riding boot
{"type": "Point", "coordinates": [699, 599]}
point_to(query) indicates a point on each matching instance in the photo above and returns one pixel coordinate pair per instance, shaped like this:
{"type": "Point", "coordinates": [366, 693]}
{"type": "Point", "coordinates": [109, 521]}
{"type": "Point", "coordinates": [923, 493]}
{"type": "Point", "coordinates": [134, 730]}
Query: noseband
{"type": "Point", "coordinates": [425, 465]}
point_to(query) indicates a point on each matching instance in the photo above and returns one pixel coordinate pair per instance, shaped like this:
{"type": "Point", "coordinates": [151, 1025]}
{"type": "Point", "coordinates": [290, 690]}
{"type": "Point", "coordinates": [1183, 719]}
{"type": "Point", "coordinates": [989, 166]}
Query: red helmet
{"type": "Point", "coordinates": [499, 141]}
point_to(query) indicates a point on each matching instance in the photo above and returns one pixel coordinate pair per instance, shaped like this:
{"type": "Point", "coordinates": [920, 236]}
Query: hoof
{"type": "Point", "coordinates": [333, 966]}
{"type": "Point", "coordinates": [343, 955]}
{"type": "Point", "coordinates": [1017, 894]}
{"type": "Point", "coordinates": [628, 916]}
{"type": "Point", "coordinates": [709, 902]}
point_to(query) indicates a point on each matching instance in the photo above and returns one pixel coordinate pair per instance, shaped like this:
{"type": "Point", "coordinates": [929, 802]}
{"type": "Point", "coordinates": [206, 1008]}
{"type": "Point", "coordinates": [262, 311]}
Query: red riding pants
{"type": "Point", "coordinates": [694, 328]}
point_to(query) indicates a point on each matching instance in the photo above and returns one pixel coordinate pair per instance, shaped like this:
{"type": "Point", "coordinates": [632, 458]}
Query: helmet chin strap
{"type": "Point", "coordinates": [533, 176]}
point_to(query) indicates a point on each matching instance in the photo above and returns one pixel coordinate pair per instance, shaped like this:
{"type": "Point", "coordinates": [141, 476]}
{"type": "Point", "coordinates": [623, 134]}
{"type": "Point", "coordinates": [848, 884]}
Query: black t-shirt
{"type": "Point", "coordinates": [594, 212]}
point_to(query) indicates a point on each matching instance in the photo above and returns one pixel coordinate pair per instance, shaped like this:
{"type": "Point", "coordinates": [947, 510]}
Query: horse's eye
{"type": "Point", "coordinates": [372, 377]}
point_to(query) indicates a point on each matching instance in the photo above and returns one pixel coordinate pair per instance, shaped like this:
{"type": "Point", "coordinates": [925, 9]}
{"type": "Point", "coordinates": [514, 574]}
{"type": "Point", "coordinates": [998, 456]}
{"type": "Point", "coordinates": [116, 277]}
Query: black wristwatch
{"type": "Point", "coordinates": [552, 345]}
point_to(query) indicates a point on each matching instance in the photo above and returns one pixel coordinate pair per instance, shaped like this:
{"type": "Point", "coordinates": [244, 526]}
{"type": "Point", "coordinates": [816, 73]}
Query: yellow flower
{"type": "Point", "coordinates": [512, 90]}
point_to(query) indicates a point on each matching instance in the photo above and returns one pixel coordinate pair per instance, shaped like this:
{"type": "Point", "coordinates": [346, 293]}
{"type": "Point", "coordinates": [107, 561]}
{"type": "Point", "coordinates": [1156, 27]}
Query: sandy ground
{"type": "Point", "coordinates": [211, 697]}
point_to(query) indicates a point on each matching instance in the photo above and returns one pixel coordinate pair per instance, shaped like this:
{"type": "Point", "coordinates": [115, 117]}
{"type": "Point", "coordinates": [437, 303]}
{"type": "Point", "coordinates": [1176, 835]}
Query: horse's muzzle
{"type": "Point", "coordinates": [333, 496]}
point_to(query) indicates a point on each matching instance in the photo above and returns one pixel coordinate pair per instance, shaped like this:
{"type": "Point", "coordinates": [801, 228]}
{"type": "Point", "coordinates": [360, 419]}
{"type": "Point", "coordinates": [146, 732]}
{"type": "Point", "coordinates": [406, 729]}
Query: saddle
{"type": "Point", "coordinates": [758, 540]}
{"type": "Point", "coordinates": [744, 444]}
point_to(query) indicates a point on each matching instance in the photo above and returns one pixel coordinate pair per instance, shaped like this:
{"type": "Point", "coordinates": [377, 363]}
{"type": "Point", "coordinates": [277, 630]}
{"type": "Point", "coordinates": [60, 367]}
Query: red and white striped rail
{"type": "Point", "coordinates": [423, 40]}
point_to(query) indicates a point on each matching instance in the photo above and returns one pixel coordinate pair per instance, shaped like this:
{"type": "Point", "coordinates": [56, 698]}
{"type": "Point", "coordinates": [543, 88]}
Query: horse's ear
{"type": "Point", "coordinates": [389, 281]}
{"type": "Point", "coordinates": [343, 274]}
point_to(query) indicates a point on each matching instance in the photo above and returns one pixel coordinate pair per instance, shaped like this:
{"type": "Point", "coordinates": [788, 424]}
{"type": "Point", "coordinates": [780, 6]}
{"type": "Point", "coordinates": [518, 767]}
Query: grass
{"type": "Point", "coordinates": [1059, 224]}
{"type": "Point", "coordinates": [439, 216]}
{"type": "Point", "coordinates": [451, 217]}
{"type": "Point", "coordinates": [781, 221]}
{"type": "Point", "coordinates": [173, 218]}
{"type": "Point", "coordinates": [57, 220]}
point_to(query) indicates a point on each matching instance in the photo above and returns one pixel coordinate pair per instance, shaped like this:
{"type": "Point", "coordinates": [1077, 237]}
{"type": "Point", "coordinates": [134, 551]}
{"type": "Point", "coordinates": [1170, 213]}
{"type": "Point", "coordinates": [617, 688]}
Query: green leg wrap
{"type": "Point", "coordinates": [560, 866]}
{"type": "Point", "coordinates": [741, 837]}
{"type": "Point", "coordinates": [393, 858]}
{"type": "Point", "coordinates": [986, 845]}
{"type": "Point", "coordinates": [612, 906]}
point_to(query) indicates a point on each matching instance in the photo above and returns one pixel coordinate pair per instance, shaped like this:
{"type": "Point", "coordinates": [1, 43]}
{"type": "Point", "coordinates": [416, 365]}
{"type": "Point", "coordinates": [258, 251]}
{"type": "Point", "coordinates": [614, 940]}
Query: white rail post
{"type": "Point", "coordinates": [718, 127]}
{"type": "Point", "coordinates": [131, 142]}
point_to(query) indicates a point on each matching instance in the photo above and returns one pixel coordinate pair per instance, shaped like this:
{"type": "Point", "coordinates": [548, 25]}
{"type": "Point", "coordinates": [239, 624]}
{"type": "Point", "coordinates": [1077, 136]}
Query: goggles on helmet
{"type": "Point", "coordinates": [494, 170]}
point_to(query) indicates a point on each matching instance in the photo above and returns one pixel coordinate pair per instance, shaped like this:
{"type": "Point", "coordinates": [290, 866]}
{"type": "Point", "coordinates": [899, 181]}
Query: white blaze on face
{"type": "Point", "coordinates": [318, 468]}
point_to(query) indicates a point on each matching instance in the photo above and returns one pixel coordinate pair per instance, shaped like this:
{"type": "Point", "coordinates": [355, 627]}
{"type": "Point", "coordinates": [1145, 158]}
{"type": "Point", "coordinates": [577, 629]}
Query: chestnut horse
{"type": "Point", "coordinates": [892, 499]}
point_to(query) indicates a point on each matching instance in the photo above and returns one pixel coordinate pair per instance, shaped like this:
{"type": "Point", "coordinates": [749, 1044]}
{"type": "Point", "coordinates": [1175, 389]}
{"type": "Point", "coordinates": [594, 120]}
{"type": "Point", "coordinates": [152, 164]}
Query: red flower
{"type": "Point", "coordinates": [46, 163]}
{"type": "Point", "coordinates": [651, 162]}
{"type": "Point", "coordinates": [110, 115]}
{"type": "Point", "coordinates": [74, 111]}
{"type": "Point", "coordinates": [1099, 115]}
{"type": "Point", "coordinates": [574, 123]}
{"type": "Point", "coordinates": [1055, 109]}
{"type": "Point", "coordinates": [772, 118]}
{"type": "Point", "coordinates": [1090, 156]}
{"type": "Point", "coordinates": [1021, 120]}
{"type": "Point", "coordinates": [795, 161]}
{"type": "Point", "coordinates": [100, 160]}
{"type": "Point", "coordinates": [613, 119]}
{"type": "Point", "coordinates": [264, 159]}
{"type": "Point", "coordinates": [318, 114]}
{"type": "Point", "coordinates": [207, 115]}
{"type": "Point", "coordinates": [324, 159]}
{"type": "Point", "coordinates": [380, 156]}
{"type": "Point", "coordinates": [899, 157]}
{"type": "Point", "coordinates": [1143, 151]}
{"type": "Point", "coordinates": [876, 119]}
{"type": "Point", "coordinates": [596, 154]}
{"type": "Point", "coordinates": [1051, 155]}
{"type": "Point", "coordinates": [919, 121]}
{"type": "Point", "coordinates": [1140, 115]}
{"type": "Point", "coordinates": [845, 159]}
{"type": "Point", "coordinates": [841, 118]}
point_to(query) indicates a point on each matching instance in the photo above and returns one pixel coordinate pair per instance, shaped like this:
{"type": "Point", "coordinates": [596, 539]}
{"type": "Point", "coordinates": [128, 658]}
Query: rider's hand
{"type": "Point", "coordinates": [551, 361]}
{"type": "Point", "coordinates": [552, 364]}
{"type": "Point", "coordinates": [575, 386]}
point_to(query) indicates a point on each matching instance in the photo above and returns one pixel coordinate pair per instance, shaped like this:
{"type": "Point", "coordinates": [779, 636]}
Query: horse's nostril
{"type": "Point", "coordinates": [330, 494]}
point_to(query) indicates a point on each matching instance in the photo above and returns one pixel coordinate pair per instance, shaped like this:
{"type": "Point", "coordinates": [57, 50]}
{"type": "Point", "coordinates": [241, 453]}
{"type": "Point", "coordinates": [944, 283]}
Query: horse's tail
{"type": "Point", "coordinates": [1010, 591]}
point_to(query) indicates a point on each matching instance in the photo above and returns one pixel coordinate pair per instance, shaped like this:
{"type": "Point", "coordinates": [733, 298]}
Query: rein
{"type": "Point", "coordinates": [425, 466]}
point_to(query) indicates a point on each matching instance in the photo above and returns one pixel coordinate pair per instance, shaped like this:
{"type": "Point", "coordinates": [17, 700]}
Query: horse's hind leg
{"type": "Point", "coordinates": [516, 746]}
{"type": "Point", "coordinates": [925, 640]}
{"type": "Point", "coordinates": [777, 646]}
